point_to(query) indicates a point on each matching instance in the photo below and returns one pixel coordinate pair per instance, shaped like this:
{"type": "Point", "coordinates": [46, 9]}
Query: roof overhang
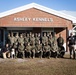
{"type": "Point", "coordinates": [40, 7]}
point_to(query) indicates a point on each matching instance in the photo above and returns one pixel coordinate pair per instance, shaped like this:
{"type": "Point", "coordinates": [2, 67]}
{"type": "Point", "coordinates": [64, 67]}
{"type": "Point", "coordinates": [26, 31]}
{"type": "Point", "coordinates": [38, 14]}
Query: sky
{"type": "Point", "coordinates": [66, 6]}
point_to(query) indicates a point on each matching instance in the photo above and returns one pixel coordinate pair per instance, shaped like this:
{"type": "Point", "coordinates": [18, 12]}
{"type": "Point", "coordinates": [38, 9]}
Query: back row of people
{"type": "Point", "coordinates": [34, 44]}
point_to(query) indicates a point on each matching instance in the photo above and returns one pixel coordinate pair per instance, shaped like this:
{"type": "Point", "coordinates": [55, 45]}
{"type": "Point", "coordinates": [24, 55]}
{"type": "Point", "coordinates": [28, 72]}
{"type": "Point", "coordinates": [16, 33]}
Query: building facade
{"type": "Point", "coordinates": [35, 18]}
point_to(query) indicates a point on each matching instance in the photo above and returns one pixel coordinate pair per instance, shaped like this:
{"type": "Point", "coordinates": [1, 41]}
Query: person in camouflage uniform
{"type": "Point", "coordinates": [39, 49]}
{"type": "Point", "coordinates": [8, 38]}
{"type": "Point", "coordinates": [33, 50]}
{"type": "Point", "coordinates": [46, 50]}
{"type": "Point", "coordinates": [28, 50]}
{"type": "Point", "coordinates": [44, 39]}
{"type": "Point", "coordinates": [37, 39]}
{"type": "Point", "coordinates": [26, 39]}
{"type": "Point", "coordinates": [16, 45]}
{"type": "Point", "coordinates": [54, 49]}
{"type": "Point", "coordinates": [30, 33]}
{"type": "Point", "coordinates": [50, 40]}
{"type": "Point", "coordinates": [21, 50]}
{"type": "Point", "coordinates": [21, 39]}
{"type": "Point", "coordinates": [60, 42]}
{"type": "Point", "coordinates": [12, 40]}
{"type": "Point", "coordinates": [39, 36]}
{"type": "Point", "coordinates": [32, 39]}
{"type": "Point", "coordinates": [48, 34]}
{"type": "Point", "coordinates": [54, 38]}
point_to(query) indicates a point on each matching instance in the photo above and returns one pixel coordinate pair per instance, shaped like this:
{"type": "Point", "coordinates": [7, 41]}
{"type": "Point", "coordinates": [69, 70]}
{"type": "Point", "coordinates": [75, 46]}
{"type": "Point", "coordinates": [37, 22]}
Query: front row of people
{"type": "Point", "coordinates": [32, 51]}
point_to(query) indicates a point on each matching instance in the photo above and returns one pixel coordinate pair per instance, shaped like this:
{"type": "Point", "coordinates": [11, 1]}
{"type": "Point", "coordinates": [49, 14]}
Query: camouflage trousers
{"type": "Point", "coordinates": [46, 54]}
{"type": "Point", "coordinates": [21, 54]}
{"type": "Point", "coordinates": [33, 53]}
{"type": "Point", "coordinates": [28, 54]}
{"type": "Point", "coordinates": [39, 54]}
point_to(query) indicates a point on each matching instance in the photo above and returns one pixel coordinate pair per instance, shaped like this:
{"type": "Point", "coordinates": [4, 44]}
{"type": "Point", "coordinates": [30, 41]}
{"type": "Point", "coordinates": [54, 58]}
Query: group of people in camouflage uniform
{"type": "Point", "coordinates": [34, 45]}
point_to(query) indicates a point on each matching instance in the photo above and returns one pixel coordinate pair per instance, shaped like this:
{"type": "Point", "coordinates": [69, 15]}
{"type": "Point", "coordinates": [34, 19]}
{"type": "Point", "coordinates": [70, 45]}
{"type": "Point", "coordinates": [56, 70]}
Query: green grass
{"type": "Point", "coordinates": [37, 66]}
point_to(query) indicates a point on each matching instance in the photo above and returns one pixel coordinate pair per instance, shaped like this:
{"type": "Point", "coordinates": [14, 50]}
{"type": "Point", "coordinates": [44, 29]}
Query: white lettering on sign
{"type": "Point", "coordinates": [43, 19]}
{"type": "Point", "coordinates": [33, 19]}
{"type": "Point", "coordinates": [22, 19]}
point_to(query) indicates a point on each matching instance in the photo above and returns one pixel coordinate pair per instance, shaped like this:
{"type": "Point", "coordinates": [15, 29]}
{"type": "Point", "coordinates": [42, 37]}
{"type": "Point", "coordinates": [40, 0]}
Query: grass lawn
{"type": "Point", "coordinates": [37, 66]}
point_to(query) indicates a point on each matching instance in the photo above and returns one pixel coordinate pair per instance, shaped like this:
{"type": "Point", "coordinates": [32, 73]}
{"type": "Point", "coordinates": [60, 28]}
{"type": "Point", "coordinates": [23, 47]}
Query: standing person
{"type": "Point", "coordinates": [60, 42]}
{"type": "Point", "coordinates": [6, 51]}
{"type": "Point", "coordinates": [39, 36]}
{"type": "Point", "coordinates": [26, 39]}
{"type": "Point", "coordinates": [54, 38]}
{"type": "Point", "coordinates": [30, 33]}
{"type": "Point", "coordinates": [48, 34]}
{"type": "Point", "coordinates": [50, 40]}
{"type": "Point", "coordinates": [54, 46]}
{"type": "Point", "coordinates": [37, 39]}
{"type": "Point", "coordinates": [21, 39]}
{"type": "Point", "coordinates": [32, 39]}
{"type": "Point", "coordinates": [16, 45]}
{"type": "Point", "coordinates": [12, 40]}
{"type": "Point", "coordinates": [71, 41]}
{"type": "Point", "coordinates": [74, 55]}
{"type": "Point", "coordinates": [44, 39]}
{"type": "Point", "coordinates": [8, 38]}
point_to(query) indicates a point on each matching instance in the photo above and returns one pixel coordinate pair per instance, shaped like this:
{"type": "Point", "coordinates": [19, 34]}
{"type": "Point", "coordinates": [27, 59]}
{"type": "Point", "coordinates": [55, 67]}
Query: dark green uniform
{"type": "Point", "coordinates": [21, 50]}
{"type": "Point", "coordinates": [21, 40]}
{"type": "Point", "coordinates": [39, 50]}
{"type": "Point", "coordinates": [54, 49]}
{"type": "Point", "coordinates": [33, 49]}
{"type": "Point", "coordinates": [32, 39]}
{"type": "Point", "coordinates": [60, 42]}
{"type": "Point", "coordinates": [16, 46]}
{"type": "Point", "coordinates": [54, 38]}
{"type": "Point", "coordinates": [26, 40]}
{"type": "Point", "coordinates": [50, 40]}
{"type": "Point", "coordinates": [46, 50]}
{"type": "Point", "coordinates": [16, 41]}
{"type": "Point", "coordinates": [12, 40]}
{"type": "Point", "coordinates": [28, 51]}
{"type": "Point", "coordinates": [39, 36]}
{"type": "Point", "coordinates": [37, 39]}
{"type": "Point", "coordinates": [8, 39]}
{"type": "Point", "coordinates": [44, 40]}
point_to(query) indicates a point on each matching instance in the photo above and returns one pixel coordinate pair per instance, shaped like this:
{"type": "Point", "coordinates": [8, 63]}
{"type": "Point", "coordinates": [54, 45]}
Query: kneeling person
{"type": "Point", "coordinates": [39, 49]}
{"type": "Point", "coordinates": [46, 50]}
{"type": "Point", "coordinates": [6, 51]}
{"type": "Point", "coordinates": [21, 50]}
{"type": "Point", "coordinates": [54, 49]}
{"type": "Point", "coordinates": [28, 50]}
{"type": "Point", "coordinates": [33, 50]}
